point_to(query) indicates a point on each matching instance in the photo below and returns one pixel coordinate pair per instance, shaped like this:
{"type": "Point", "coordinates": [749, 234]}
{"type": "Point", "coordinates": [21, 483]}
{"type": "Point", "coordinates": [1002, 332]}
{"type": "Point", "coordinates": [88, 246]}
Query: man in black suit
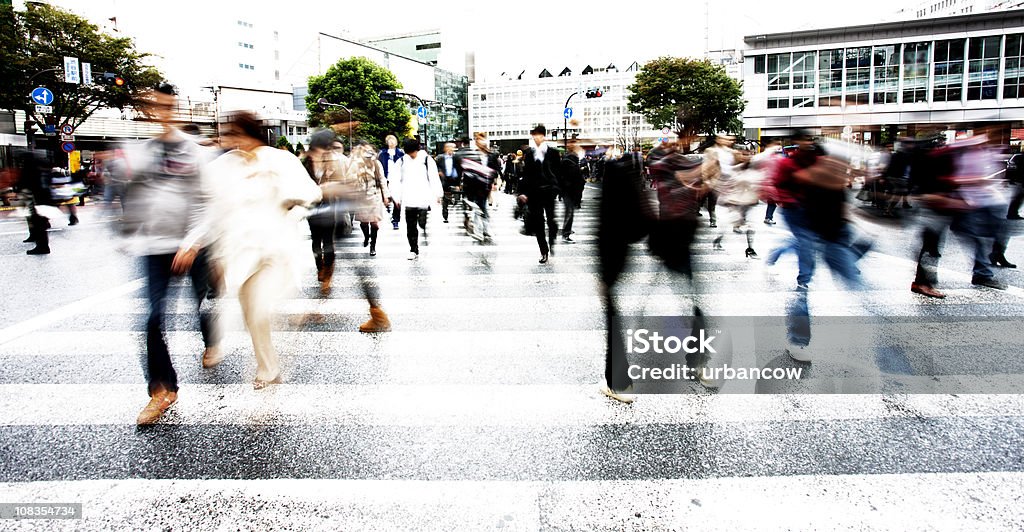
{"type": "Point", "coordinates": [541, 176]}
{"type": "Point", "coordinates": [450, 171]}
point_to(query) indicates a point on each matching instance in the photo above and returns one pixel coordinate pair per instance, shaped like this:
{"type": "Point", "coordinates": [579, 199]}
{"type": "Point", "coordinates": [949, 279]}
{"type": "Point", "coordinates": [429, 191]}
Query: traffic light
{"type": "Point", "coordinates": [112, 79]}
{"type": "Point", "coordinates": [594, 93]}
{"type": "Point", "coordinates": [388, 96]}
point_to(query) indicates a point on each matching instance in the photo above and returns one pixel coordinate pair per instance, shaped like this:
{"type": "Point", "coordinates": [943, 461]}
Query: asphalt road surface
{"type": "Point", "coordinates": [481, 409]}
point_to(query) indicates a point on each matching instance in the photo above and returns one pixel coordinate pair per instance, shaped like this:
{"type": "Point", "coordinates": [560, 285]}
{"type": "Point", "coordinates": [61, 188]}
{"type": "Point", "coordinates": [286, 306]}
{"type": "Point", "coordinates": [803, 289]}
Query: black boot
{"type": "Point", "coordinates": [998, 259]}
{"type": "Point", "coordinates": [38, 234]}
{"type": "Point", "coordinates": [373, 241]}
{"type": "Point", "coordinates": [319, 267]}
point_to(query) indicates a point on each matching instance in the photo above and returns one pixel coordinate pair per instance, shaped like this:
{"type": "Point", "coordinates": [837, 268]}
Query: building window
{"type": "Point", "coordinates": [778, 103]}
{"type": "Point", "coordinates": [983, 68]}
{"type": "Point", "coordinates": [245, 66]}
{"type": "Point", "coordinates": [1013, 76]}
{"type": "Point", "coordinates": [830, 78]}
{"type": "Point", "coordinates": [778, 72]}
{"type": "Point", "coordinates": [949, 70]}
{"type": "Point", "coordinates": [803, 101]}
{"type": "Point", "coordinates": [245, 45]}
{"type": "Point", "coordinates": [858, 75]}
{"type": "Point", "coordinates": [887, 74]}
{"type": "Point", "coordinates": [428, 46]}
{"type": "Point", "coordinates": [244, 24]}
{"type": "Point", "coordinates": [915, 72]}
{"type": "Point", "coordinates": [803, 70]}
{"type": "Point", "coordinates": [759, 64]}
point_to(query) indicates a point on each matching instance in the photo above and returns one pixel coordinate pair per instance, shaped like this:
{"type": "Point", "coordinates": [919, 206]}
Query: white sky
{"type": "Point", "coordinates": [533, 33]}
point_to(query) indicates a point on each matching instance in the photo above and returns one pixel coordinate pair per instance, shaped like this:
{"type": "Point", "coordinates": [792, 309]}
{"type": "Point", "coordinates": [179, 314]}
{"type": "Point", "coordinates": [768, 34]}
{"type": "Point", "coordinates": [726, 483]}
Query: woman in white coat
{"type": "Point", "coordinates": [258, 197]}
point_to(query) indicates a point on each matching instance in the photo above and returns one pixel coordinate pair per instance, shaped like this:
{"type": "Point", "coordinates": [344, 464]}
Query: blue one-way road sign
{"type": "Point", "coordinates": [567, 113]}
{"type": "Point", "coordinates": [42, 96]}
{"type": "Point", "coordinates": [422, 112]}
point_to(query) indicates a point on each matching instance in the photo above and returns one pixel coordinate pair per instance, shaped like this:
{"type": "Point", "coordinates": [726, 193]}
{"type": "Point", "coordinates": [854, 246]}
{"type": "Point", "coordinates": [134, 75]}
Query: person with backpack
{"type": "Point", "coordinates": [418, 188]}
{"type": "Point", "coordinates": [480, 169]}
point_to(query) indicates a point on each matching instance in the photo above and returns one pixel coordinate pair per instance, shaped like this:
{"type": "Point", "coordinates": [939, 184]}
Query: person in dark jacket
{"type": "Point", "coordinates": [33, 184]}
{"type": "Point", "coordinates": [1015, 176]}
{"type": "Point", "coordinates": [572, 188]}
{"type": "Point", "coordinates": [449, 169]}
{"type": "Point", "coordinates": [390, 158]}
{"type": "Point", "coordinates": [541, 176]}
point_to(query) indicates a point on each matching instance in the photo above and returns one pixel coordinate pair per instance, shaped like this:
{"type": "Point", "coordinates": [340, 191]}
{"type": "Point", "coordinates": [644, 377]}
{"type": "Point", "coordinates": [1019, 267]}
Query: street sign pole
{"type": "Point", "coordinates": [565, 121]}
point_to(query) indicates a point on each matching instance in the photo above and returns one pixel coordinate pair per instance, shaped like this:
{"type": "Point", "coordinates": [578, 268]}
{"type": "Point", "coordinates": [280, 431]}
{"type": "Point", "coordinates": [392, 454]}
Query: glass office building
{"type": "Point", "coordinates": [884, 80]}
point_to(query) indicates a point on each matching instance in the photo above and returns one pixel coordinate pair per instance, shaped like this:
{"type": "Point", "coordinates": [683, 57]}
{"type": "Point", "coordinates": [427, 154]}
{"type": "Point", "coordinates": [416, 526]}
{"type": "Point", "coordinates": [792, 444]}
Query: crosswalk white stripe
{"type": "Point", "coordinates": [752, 303]}
{"type": "Point", "coordinates": [479, 346]}
{"type": "Point", "coordinates": [67, 311]}
{"type": "Point", "coordinates": [917, 501]}
{"type": "Point", "coordinates": [464, 405]}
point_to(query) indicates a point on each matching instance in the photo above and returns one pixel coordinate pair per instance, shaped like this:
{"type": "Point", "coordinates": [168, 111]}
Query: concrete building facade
{"type": "Point", "coordinates": [887, 80]}
{"type": "Point", "coordinates": [507, 109]}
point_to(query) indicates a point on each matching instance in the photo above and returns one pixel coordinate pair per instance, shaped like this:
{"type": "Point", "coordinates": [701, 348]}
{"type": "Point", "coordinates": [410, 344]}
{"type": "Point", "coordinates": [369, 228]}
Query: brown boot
{"type": "Point", "coordinates": [325, 282]}
{"type": "Point", "coordinates": [159, 402]}
{"type": "Point", "coordinates": [378, 322]}
{"type": "Point", "coordinates": [212, 356]}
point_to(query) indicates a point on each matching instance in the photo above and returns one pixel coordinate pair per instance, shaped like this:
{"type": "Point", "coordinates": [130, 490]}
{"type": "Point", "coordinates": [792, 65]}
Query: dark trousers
{"type": "Point", "coordinates": [396, 213]}
{"type": "Point", "coordinates": [928, 258]}
{"type": "Point", "coordinates": [710, 201]}
{"type": "Point", "coordinates": [770, 213]}
{"type": "Point", "coordinates": [159, 370]}
{"type": "Point", "coordinates": [322, 235]}
{"type": "Point", "coordinates": [415, 218]}
{"type": "Point", "coordinates": [613, 249]}
{"type": "Point", "coordinates": [37, 226]}
{"type": "Point", "coordinates": [543, 204]}
{"type": "Point", "coordinates": [447, 201]}
{"type": "Point", "coordinates": [1016, 201]}
{"type": "Point", "coordinates": [568, 216]}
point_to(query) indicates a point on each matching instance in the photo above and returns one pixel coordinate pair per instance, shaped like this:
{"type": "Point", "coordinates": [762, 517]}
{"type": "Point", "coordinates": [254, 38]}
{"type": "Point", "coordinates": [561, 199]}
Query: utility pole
{"type": "Point", "coordinates": [707, 28]}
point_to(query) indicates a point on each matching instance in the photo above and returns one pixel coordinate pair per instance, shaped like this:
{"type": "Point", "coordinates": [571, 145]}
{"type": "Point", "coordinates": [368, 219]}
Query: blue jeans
{"type": "Point", "coordinates": [979, 226]}
{"type": "Point", "coordinates": [159, 370]}
{"type": "Point", "coordinates": [840, 256]}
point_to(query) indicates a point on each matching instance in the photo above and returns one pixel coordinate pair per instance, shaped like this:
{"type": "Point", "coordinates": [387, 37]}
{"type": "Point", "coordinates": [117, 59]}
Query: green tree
{"type": "Point", "coordinates": [33, 44]}
{"type": "Point", "coordinates": [692, 96]}
{"type": "Point", "coordinates": [284, 143]}
{"type": "Point", "coordinates": [356, 83]}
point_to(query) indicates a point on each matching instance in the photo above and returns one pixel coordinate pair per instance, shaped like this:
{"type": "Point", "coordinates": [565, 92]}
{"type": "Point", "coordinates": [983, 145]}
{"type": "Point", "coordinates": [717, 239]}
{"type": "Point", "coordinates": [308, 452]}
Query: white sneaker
{"type": "Point", "coordinates": [624, 396]}
{"type": "Point", "coordinates": [799, 353]}
{"type": "Point", "coordinates": [413, 256]}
